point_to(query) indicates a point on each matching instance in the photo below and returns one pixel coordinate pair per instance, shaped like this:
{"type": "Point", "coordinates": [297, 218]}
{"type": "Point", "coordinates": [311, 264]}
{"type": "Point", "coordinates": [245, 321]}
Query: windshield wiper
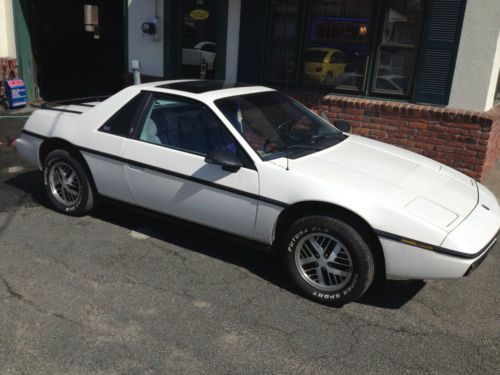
{"type": "Point", "coordinates": [307, 147]}
{"type": "Point", "coordinates": [327, 137]}
{"type": "Point", "coordinates": [293, 148]}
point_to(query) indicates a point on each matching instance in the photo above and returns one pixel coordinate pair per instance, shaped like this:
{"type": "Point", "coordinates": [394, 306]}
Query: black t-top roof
{"type": "Point", "coordinates": [199, 87]}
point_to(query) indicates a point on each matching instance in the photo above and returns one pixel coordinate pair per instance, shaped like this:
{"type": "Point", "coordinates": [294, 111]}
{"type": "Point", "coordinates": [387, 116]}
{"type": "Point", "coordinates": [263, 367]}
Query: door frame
{"type": "Point", "coordinates": [172, 42]}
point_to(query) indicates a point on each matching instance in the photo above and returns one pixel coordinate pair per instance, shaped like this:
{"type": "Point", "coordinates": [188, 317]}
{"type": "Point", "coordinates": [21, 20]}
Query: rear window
{"type": "Point", "coordinates": [121, 122]}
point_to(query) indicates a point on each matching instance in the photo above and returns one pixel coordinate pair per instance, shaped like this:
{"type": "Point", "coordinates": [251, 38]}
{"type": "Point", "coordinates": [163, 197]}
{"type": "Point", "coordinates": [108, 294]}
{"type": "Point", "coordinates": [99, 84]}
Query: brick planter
{"type": "Point", "coordinates": [465, 140]}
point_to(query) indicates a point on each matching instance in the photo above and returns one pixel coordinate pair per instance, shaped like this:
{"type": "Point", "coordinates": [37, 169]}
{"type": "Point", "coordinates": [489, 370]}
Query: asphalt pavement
{"type": "Point", "coordinates": [121, 293]}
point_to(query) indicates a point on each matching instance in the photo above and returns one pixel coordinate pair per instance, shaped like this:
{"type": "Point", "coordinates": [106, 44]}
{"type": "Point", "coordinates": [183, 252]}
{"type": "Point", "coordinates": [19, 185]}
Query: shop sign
{"type": "Point", "coordinates": [199, 14]}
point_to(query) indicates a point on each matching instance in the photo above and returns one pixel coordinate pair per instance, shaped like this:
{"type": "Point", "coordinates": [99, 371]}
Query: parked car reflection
{"type": "Point", "coordinates": [200, 60]}
{"type": "Point", "coordinates": [324, 64]}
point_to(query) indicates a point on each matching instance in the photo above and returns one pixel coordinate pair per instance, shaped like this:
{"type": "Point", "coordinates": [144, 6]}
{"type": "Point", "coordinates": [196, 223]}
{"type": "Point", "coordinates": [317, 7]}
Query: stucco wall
{"type": "Point", "coordinates": [143, 47]}
{"type": "Point", "coordinates": [478, 59]}
{"type": "Point", "coordinates": [7, 39]}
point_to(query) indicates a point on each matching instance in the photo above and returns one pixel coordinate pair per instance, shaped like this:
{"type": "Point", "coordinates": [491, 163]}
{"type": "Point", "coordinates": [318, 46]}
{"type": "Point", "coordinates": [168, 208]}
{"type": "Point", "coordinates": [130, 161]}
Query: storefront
{"type": "Point", "coordinates": [403, 50]}
{"type": "Point", "coordinates": [367, 48]}
{"type": "Point", "coordinates": [420, 74]}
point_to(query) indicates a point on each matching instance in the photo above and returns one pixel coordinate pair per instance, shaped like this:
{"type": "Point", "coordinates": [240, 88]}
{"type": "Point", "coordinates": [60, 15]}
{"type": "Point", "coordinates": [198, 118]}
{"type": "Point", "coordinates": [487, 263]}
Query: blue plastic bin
{"type": "Point", "coordinates": [15, 93]}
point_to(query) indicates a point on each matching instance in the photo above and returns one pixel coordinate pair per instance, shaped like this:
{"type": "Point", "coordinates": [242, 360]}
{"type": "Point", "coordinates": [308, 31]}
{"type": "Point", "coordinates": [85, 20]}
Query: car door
{"type": "Point", "coordinates": [166, 170]}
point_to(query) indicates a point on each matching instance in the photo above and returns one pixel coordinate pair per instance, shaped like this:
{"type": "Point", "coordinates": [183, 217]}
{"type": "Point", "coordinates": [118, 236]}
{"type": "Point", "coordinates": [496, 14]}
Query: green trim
{"type": "Point", "coordinates": [220, 59]}
{"type": "Point", "coordinates": [266, 37]}
{"type": "Point", "coordinates": [451, 72]}
{"type": "Point", "coordinates": [172, 36]}
{"type": "Point", "coordinates": [303, 26]}
{"type": "Point", "coordinates": [377, 14]}
{"type": "Point", "coordinates": [254, 25]}
{"type": "Point", "coordinates": [23, 47]}
{"type": "Point", "coordinates": [426, 45]}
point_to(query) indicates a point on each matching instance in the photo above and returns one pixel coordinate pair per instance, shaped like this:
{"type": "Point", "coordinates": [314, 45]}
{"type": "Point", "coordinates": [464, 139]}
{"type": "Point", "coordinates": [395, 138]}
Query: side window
{"type": "Point", "coordinates": [121, 122]}
{"type": "Point", "coordinates": [186, 126]}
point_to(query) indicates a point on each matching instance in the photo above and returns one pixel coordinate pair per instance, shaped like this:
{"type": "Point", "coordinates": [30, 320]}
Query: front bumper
{"type": "Point", "coordinates": [478, 262]}
{"type": "Point", "coordinates": [459, 254]}
{"type": "Point", "coordinates": [404, 261]}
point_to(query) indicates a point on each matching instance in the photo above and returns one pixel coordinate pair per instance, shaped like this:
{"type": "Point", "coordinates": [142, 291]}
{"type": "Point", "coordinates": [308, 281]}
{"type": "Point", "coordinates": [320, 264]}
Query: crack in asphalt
{"type": "Point", "coordinates": [354, 323]}
{"type": "Point", "coordinates": [423, 303]}
{"type": "Point", "coordinates": [16, 295]}
{"type": "Point", "coordinates": [31, 303]}
{"type": "Point", "coordinates": [355, 334]}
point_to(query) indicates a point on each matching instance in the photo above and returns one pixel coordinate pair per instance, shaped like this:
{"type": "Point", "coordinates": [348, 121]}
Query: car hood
{"type": "Point", "coordinates": [428, 189]}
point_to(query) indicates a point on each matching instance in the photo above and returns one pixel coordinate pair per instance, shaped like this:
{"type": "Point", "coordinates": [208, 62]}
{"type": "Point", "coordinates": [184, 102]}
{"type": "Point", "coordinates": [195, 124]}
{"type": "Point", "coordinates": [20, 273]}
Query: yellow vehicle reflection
{"type": "Point", "coordinates": [324, 64]}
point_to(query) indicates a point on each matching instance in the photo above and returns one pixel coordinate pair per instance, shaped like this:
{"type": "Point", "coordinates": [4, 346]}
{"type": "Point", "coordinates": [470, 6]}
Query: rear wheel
{"type": "Point", "coordinates": [328, 260]}
{"type": "Point", "coordinates": [67, 184]}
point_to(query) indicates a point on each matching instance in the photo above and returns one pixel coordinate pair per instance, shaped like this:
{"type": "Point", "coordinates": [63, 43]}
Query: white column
{"type": "Point", "coordinates": [478, 58]}
{"type": "Point", "coordinates": [144, 48]}
{"type": "Point", "coordinates": [7, 37]}
{"type": "Point", "coordinates": [233, 39]}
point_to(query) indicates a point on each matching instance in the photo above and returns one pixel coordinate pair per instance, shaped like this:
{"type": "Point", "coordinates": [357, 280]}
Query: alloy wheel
{"type": "Point", "coordinates": [64, 183]}
{"type": "Point", "coordinates": [323, 261]}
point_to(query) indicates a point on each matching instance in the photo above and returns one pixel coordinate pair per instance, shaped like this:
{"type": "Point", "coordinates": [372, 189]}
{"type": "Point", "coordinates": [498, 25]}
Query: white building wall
{"type": "Point", "coordinates": [478, 59]}
{"type": "Point", "coordinates": [145, 48]}
{"type": "Point", "coordinates": [7, 38]}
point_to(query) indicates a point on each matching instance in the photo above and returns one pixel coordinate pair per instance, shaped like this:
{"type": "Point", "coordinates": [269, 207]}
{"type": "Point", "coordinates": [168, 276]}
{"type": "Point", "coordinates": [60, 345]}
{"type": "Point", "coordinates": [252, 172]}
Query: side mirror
{"type": "Point", "coordinates": [342, 125]}
{"type": "Point", "coordinates": [225, 158]}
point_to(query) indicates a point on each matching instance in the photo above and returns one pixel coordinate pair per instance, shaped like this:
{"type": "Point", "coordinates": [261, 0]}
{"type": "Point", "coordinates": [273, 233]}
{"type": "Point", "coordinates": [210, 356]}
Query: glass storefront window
{"type": "Point", "coordinates": [397, 51]}
{"type": "Point", "coordinates": [337, 43]}
{"type": "Point", "coordinates": [199, 32]}
{"type": "Point", "coordinates": [361, 46]}
{"type": "Point", "coordinates": [281, 52]}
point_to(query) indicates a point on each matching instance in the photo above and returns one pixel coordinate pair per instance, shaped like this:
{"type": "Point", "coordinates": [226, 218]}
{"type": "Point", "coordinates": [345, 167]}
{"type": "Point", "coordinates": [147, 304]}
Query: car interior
{"type": "Point", "coordinates": [185, 126]}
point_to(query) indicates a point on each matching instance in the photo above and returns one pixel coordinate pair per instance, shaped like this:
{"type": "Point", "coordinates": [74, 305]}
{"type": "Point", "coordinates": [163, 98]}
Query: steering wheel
{"type": "Point", "coordinates": [277, 129]}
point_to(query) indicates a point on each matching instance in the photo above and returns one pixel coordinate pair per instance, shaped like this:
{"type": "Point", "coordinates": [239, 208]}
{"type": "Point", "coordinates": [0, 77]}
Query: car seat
{"type": "Point", "coordinates": [150, 132]}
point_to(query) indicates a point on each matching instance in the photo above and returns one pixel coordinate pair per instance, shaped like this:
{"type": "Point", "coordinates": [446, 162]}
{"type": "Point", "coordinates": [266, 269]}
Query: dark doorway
{"type": "Point", "coordinates": [78, 47]}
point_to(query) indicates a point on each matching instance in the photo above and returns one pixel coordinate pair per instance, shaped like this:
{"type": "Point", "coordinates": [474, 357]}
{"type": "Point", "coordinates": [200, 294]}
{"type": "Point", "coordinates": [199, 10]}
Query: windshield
{"type": "Point", "coordinates": [275, 125]}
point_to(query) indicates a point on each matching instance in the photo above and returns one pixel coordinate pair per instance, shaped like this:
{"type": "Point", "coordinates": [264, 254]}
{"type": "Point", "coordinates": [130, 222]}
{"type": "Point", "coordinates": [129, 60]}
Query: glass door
{"type": "Point", "coordinates": [199, 39]}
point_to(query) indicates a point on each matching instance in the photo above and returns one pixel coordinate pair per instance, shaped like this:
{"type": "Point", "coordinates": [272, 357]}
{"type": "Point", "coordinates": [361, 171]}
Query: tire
{"type": "Point", "coordinates": [327, 278]}
{"type": "Point", "coordinates": [67, 183]}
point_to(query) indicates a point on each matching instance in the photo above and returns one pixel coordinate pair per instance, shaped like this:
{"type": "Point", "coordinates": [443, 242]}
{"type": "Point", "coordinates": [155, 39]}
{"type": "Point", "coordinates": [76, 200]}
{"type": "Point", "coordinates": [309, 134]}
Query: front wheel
{"type": "Point", "coordinates": [67, 184]}
{"type": "Point", "coordinates": [328, 260]}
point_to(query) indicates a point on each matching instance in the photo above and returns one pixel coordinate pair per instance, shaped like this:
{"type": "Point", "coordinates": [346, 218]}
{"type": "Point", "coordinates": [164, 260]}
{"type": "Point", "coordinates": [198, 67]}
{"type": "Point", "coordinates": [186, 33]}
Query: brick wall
{"type": "Point", "coordinates": [465, 140]}
{"type": "Point", "coordinates": [8, 70]}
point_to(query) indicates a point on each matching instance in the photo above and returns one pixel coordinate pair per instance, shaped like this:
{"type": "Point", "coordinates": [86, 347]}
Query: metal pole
{"type": "Point", "coordinates": [136, 69]}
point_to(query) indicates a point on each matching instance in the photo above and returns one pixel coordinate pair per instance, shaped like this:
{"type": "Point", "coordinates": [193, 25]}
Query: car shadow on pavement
{"type": "Point", "coordinates": [389, 295]}
{"type": "Point", "coordinates": [392, 294]}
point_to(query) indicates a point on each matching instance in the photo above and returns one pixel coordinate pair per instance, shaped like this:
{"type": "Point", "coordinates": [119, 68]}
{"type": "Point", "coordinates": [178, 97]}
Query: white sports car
{"type": "Point", "coordinates": [248, 160]}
